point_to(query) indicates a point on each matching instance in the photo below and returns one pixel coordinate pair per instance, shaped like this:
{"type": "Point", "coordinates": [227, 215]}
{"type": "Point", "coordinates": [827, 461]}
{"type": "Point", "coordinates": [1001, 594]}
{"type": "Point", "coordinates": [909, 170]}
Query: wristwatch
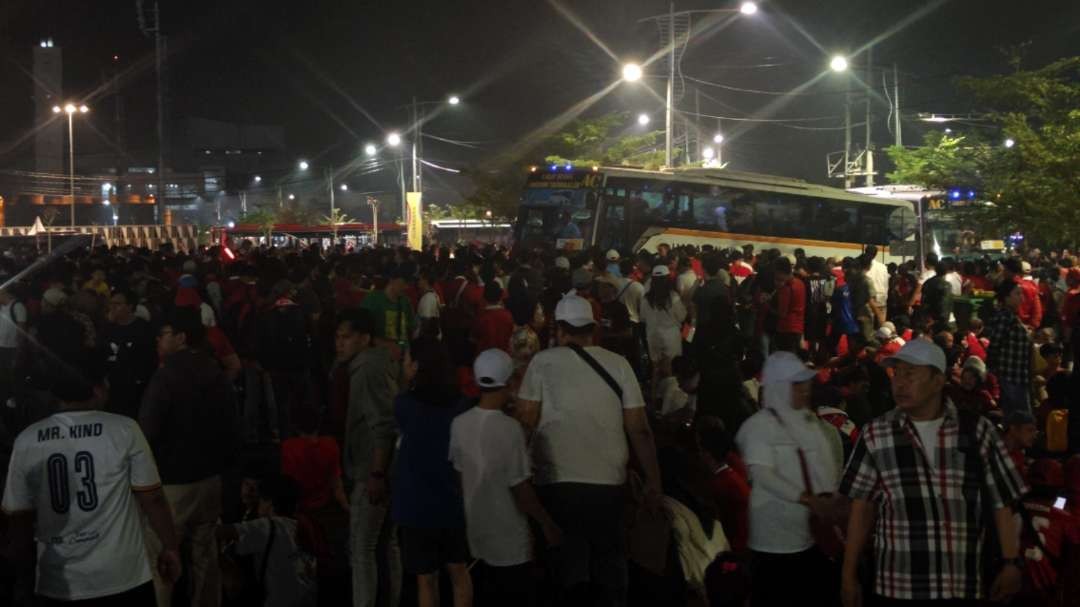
{"type": "Point", "coordinates": [1016, 561]}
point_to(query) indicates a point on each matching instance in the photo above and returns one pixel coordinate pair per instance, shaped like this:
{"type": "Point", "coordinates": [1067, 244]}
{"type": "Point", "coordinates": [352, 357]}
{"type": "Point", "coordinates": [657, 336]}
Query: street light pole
{"type": "Point", "coordinates": [670, 86]}
{"type": "Point", "coordinates": [71, 165]}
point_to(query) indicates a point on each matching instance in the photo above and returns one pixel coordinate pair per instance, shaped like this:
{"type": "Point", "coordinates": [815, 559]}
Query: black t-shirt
{"type": "Point", "coordinates": [132, 359]}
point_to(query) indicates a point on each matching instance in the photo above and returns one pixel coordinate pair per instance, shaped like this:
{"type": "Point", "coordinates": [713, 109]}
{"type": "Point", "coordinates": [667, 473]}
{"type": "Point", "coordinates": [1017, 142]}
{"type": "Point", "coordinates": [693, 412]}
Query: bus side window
{"type": "Point", "coordinates": [710, 211]}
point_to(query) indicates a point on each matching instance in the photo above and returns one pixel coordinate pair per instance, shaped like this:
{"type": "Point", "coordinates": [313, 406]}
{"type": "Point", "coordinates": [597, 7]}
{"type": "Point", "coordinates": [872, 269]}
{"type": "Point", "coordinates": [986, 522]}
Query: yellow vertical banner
{"type": "Point", "coordinates": [415, 221]}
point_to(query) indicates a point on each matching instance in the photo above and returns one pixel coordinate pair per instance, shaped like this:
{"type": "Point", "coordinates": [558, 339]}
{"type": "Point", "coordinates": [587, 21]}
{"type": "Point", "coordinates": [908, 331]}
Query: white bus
{"type": "Point", "coordinates": [632, 209]}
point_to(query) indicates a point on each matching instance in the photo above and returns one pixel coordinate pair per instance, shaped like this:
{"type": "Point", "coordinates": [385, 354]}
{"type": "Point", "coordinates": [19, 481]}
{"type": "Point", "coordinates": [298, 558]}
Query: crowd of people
{"type": "Point", "coordinates": [690, 426]}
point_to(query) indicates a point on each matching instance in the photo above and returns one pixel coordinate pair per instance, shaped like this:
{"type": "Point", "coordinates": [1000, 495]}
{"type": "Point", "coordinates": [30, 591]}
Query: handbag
{"type": "Point", "coordinates": [648, 534]}
{"type": "Point", "coordinates": [827, 536]}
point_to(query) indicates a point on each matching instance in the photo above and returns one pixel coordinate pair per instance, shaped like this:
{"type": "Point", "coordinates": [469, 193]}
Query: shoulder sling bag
{"type": "Point", "coordinates": [826, 535]}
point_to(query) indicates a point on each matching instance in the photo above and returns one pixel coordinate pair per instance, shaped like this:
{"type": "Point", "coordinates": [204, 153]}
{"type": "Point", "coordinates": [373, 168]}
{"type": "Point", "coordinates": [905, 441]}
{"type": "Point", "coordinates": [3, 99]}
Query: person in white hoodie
{"type": "Point", "coordinates": [663, 313]}
{"type": "Point", "coordinates": [786, 448]}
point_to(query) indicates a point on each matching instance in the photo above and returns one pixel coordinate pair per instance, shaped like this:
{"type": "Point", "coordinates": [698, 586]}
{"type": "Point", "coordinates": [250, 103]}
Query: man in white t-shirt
{"type": "Point", "coordinates": [12, 327]}
{"type": "Point", "coordinates": [878, 275]}
{"type": "Point", "coordinates": [488, 448]}
{"type": "Point", "coordinates": [75, 486]}
{"type": "Point", "coordinates": [581, 418]}
{"type": "Point", "coordinates": [428, 307]}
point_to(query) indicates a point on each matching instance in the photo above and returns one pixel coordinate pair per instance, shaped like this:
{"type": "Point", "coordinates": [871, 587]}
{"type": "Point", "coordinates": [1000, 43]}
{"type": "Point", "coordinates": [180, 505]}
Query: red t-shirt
{"type": "Point", "coordinates": [1059, 532]}
{"type": "Point", "coordinates": [731, 493]}
{"type": "Point", "coordinates": [1031, 310]}
{"type": "Point", "coordinates": [219, 343]}
{"type": "Point", "coordinates": [1070, 311]}
{"type": "Point", "coordinates": [315, 464]}
{"type": "Point", "coordinates": [974, 346]}
{"type": "Point", "coordinates": [791, 307]}
{"type": "Point", "coordinates": [740, 269]}
{"type": "Point", "coordinates": [492, 329]}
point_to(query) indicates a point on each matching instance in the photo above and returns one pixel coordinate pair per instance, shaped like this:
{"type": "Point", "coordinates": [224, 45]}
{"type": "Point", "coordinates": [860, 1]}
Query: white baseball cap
{"type": "Point", "coordinates": [493, 368]}
{"type": "Point", "coordinates": [1025, 267]}
{"type": "Point", "coordinates": [612, 255]}
{"type": "Point", "coordinates": [919, 352]}
{"type": "Point", "coordinates": [661, 270]}
{"type": "Point", "coordinates": [574, 310]}
{"type": "Point", "coordinates": [562, 263]}
{"type": "Point", "coordinates": [785, 367]}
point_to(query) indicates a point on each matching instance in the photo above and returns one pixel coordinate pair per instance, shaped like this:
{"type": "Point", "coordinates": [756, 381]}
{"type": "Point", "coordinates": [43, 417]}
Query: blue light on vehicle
{"type": "Point", "coordinates": [971, 193]}
{"type": "Point", "coordinates": [569, 167]}
{"type": "Point", "coordinates": [954, 194]}
{"type": "Point", "coordinates": [554, 167]}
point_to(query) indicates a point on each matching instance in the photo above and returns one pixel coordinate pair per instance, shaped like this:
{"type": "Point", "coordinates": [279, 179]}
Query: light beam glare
{"type": "Point", "coordinates": [580, 25]}
{"type": "Point", "coordinates": [902, 24]}
{"type": "Point", "coordinates": [552, 126]}
{"type": "Point", "coordinates": [775, 105]}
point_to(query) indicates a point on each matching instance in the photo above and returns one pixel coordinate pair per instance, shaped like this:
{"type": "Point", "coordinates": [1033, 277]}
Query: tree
{"type": "Point", "coordinates": [336, 219]}
{"type": "Point", "coordinates": [584, 142]}
{"type": "Point", "coordinates": [262, 217]}
{"type": "Point", "coordinates": [1033, 185]}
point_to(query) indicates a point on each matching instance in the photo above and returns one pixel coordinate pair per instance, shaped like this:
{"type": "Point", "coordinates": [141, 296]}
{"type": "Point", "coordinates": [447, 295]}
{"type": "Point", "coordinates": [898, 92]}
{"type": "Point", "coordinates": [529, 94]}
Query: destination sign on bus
{"type": "Point", "coordinates": [564, 181]}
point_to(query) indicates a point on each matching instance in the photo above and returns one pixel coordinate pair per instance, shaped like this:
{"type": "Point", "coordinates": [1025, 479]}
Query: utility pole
{"type": "Point", "coordinates": [869, 152]}
{"type": "Point", "coordinates": [896, 101]}
{"type": "Point", "coordinates": [71, 165]}
{"type": "Point", "coordinates": [847, 138]}
{"type": "Point", "coordinates": [159, 52]}
{"type": "Point", "coordinates": [415, 146]}
{"type": "Point", "coordinates": [668, 122]}
{"type": "Point", "coordinates": [330, 185]}
{"type": "Point", "coordinates": [697, 120]}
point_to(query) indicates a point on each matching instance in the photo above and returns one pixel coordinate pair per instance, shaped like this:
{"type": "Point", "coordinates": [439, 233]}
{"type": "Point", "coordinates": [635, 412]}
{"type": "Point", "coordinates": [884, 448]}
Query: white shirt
{"type": "Point", "coordinates": [10, 315]}
{"type": "Point", "coordinates": [928, 436]}
{"type": "Point", "coordinates": [428, 306]}
{"type": "Point", "coordinates": [779, 525]}
{"type": "Point", "coordinates": [290, 572]}
{"type": "Point", "coordinates": [631, 297]}
{"type": "Point", "coordinates": [956, 284]}
{"type": "Point", "coordinates": [685, 284]}
{"type": "Point", "coordinates": [878, 275]}
{"type": "Point", "coordinates": [488, 448]}
{"type": "Point", "coordinates": [663, 320]}
{"type": "Point", "coordinates": [76, 471]}
{"type": "Point", "coordinates": [672, 396]}
{"type": "Point", "coordinates": [580, 437]}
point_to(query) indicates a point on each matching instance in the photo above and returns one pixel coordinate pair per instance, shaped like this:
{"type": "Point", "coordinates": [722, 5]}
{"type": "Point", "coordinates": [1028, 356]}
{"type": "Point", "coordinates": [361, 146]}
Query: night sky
{"type": "Point", "coordinates": [309, 66]}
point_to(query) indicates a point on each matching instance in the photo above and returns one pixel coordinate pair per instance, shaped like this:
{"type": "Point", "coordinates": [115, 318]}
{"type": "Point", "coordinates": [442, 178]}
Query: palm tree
{"type": "Point", "coordinates": [335, 219]}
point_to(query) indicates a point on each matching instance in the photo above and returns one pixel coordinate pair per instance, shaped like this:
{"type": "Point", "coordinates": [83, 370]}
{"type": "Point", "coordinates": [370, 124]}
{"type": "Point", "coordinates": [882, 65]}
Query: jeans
{"type": "Point", "coordinates": [593, 552]}
{"type": "Point", "coordinates": [373, 535]}
{"type": "Point", "coordinates": [1014, 397]}
{"type": "Point", "coordinates": [196, 511]}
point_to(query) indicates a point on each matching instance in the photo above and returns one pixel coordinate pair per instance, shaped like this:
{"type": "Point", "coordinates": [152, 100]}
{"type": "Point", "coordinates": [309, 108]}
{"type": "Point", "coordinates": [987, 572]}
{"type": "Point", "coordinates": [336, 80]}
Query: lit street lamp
{"type": "Point", "coordinates": [718, 138]}
{"type": "Point", "coordinates": [393, 140]}
{"type": "Point", "coordinates": [839, 63]}
{"type": "Point", "coordinates": [370, 149]}
{"type": "Point", "coordinates": [344, 187]}
{"type": "Point", "coordinates": [70, 109]}
{"type": "Point", "coordinates": [454, 100]}
{"type": "Point", "coordinates": [303, 165]}
{"type": "Point", "coordinates": [1009, 143]}
{"type": "Point", "coordinates": [643, 119]}
{"type": "Point", "coordinates": [633, 72]}
{"type": "Point", "coordinates": [292, 196]}
{"type": "Point", "coordinates": [258, 179]}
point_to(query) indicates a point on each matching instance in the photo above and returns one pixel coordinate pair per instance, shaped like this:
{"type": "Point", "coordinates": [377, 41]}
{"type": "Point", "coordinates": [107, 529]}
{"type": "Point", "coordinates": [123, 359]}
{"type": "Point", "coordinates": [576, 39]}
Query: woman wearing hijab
{"type": "Point", "coordinates": [663, 313]}
{"type": "Point", "coordinates": [778, 443]}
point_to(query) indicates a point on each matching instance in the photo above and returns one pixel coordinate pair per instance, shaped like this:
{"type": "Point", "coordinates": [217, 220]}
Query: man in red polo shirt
{"type": "Point", "coordinates": [494, 324]}
{"type": "Point", "coordinates": [790, 306]}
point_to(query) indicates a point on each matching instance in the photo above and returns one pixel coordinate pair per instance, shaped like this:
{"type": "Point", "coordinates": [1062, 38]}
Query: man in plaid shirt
{"type": "Point", "coordinates": [1009, 354]}
{"type": "Point", "coordinates": [920, 479]}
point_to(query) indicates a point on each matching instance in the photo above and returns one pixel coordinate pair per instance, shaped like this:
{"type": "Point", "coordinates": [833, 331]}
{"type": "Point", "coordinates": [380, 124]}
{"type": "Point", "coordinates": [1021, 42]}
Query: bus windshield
{"type": "Point", "coordinates": [557, 209]}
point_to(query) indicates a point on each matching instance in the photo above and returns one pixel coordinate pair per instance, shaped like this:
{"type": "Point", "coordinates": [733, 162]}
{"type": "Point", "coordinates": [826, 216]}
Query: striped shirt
{"type": "Point", "coordinates": [931, 518]}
